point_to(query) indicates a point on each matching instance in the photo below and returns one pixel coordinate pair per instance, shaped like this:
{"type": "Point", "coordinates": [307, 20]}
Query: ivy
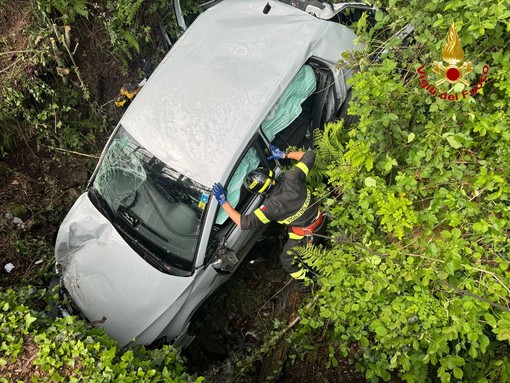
{"type": "Point", "coordinates": [67, 350]}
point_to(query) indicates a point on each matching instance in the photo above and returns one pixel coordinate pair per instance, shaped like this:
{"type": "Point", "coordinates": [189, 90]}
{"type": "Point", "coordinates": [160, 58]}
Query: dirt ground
{"type": "Point", "coordinates": [39, 185]}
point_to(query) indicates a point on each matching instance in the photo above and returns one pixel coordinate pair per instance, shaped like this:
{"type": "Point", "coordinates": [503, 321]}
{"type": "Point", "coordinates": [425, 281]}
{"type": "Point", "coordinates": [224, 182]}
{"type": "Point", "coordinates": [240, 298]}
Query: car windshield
{"type": "Point", "coordinates": [155, 208]}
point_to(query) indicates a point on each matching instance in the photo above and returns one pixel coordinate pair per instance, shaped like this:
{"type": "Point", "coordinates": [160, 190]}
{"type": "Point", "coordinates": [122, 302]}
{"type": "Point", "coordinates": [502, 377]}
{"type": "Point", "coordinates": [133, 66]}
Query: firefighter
{"type": "Point", "coordinates": [287, 201]}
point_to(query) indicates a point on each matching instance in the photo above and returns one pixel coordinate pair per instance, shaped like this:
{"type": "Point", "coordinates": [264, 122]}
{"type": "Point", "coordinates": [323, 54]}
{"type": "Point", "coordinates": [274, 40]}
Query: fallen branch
{"type": "Point", "coordinates": [10, 66]}
{"type": "Point", "coordinates": [72, 152]}
{"type": "Point", "coordinates": [62, 38]}
{"type": "Point", "coordinates": [493, 275]}
{"type": "Point", "coordinates": [274, 295]}
{"type": "Point", "coordinates": [470, 294]}
{"type": "Point", "coordinates": [14, 52]}
{"type": "Point", "coordinates": [271, 343]}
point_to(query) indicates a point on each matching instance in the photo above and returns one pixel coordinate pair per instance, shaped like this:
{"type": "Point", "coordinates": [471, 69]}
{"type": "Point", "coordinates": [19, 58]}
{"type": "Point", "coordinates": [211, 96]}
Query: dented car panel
{"type": "Point", "coordinates": [110, 282]}
{"type": "Point", "coordinates": [143, 248]}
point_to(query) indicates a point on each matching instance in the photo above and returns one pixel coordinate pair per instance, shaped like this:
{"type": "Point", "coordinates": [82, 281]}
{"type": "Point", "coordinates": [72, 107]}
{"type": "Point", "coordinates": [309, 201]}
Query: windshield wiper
{"type": "Point", "coordinates": [129, 216]}
{"type": "Point", "coordinates": [132, 237]}
{"type": "Point", "coordinates": [157, 262]}
{"type": "Point", "coordinates": [100, 203]}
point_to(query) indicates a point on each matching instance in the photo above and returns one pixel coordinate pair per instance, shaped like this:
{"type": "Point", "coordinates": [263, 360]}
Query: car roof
{"type": "Point", "coordinates": [211, 92]}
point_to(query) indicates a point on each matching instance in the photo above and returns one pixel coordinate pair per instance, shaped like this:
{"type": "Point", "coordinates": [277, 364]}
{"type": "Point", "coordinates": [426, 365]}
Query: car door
{"type": "Point", "coordinates": [226, 234]}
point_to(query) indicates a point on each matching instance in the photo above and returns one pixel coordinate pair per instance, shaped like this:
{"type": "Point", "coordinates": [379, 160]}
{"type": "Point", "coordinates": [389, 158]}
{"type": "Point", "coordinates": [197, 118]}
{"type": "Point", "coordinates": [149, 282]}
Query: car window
{"type": "Point", "coordinates": [255, 155]}
{"type": "Point", "coordinates": [352, 13]}
{"type": "Point", "coordinates": [249, 162]}
{"type": "Point", "coordinates": [154, 206]}
{"type": "Point", "coordinates": [289, 106]}
{"type": "Point", "coordinates": [310, 101]}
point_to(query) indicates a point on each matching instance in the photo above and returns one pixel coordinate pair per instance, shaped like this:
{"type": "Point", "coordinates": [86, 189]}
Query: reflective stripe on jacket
{"type": "Point", "coordinates": [289, 202]}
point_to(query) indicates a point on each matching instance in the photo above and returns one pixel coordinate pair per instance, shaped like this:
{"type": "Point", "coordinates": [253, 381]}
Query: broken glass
{"type": "Point", "coordinates": [155, 205]}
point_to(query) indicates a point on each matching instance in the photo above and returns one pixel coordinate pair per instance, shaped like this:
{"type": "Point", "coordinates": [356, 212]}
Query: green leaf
{"type": "Point", "coordinates": [410, 137]}
{"type": "Point", "coordinates": [459, 87]}
{"type": "Point", "coordinates": [490, 319]}
{"type": "Point", "coordinates": [481, 226]}
{"type": "Point", "coordinates": [381, 330]}
{"type": "Point", "coordinates": [504, 334]}
{"type": "Point", "coordinates": [369, 163]}
{"type": "Point", "coordinates": [454, 143]}
{"type": "Point", "coordinates": [445, 234]}
{"type": "Point", "coordinates": [473, 352]}
{"type": "Point", "coordinates": [368, 286]}
{"type": "Point", "coordinates": [458, 373]}
{"type": "Point", "coordinates": [370, 182]}
{"type": "Point", "coordinates": [454, 264]}
{"type": "Point", "coordinates": [325, 313]}
{"type": "Point", "coordinates": [29, 319]}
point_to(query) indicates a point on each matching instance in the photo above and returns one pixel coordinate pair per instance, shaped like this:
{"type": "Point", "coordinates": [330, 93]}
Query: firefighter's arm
{"type": "Point", "coordinates": [294, 155]}
{"type": "Point", "coordinates": [221, 196]}
{"type": "Point", "coordinates": [305, 160]}
{"type": "Point", "coordinates": [277, 154]}
{"type": "Point", "coordinates": [232, 213]}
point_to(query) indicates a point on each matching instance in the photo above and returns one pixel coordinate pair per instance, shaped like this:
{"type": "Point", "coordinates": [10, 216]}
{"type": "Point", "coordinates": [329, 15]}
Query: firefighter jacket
{"type": "Point", "coordinates": [289, 202]}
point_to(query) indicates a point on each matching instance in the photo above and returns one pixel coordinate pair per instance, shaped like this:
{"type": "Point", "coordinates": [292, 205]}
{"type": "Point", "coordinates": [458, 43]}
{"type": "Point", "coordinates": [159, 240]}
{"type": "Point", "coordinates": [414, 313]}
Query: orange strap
{"type": "Point", "coordinates": [304, 231]}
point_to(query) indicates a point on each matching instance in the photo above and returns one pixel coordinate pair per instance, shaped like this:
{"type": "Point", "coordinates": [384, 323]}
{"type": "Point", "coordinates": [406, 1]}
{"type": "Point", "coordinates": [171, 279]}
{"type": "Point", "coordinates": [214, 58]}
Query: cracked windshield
{"type": "Point", "coordinates": [160, 207]}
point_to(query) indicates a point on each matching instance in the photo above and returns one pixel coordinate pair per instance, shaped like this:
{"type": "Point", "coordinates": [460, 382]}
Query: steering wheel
{"type": "Point", "coordinates": [177, 195]}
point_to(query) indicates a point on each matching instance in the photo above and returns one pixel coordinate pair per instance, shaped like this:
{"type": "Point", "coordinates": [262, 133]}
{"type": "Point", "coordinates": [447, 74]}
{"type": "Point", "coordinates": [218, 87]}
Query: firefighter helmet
{"type": "Point", "coordinates": [259, 181]}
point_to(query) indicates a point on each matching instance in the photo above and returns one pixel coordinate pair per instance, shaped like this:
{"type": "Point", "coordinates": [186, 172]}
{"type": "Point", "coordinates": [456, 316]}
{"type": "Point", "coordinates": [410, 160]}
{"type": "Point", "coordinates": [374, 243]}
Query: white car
{"type": "Point", "coordinates": [146, 244]}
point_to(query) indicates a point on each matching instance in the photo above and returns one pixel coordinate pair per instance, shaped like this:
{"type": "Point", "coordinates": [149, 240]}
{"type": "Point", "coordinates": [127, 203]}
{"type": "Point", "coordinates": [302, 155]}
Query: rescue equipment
{"type": "Point", "coordinates": [310, 229]}
{"type": "Point", "coordinates": [127, 93]}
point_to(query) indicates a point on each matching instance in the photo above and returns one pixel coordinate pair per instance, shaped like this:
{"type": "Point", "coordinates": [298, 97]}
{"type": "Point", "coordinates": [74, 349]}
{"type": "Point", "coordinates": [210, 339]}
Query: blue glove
{"type": "Point", "coordinates": [219, 193]}
{"type": "Point", "coordinates": [277, 154]}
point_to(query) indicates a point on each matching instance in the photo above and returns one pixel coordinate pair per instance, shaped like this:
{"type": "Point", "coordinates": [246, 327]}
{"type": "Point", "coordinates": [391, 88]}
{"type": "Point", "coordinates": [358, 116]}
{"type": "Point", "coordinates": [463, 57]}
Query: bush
{"type": "Point", "coordinates": [417, 283]}
{"type": "Point", "coordinates": [34, 347]}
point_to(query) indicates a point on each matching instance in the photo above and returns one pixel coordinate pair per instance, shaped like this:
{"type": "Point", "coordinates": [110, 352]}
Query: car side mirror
{"type": "Point", "coordinates": [226, 259]}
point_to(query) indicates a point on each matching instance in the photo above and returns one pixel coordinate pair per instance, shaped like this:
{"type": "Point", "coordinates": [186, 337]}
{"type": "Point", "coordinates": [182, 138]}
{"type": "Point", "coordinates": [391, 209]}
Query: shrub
{"type": "Point", "coordinates": [416, 282]}
{"type": "Point", "coordinates": [34, 347]}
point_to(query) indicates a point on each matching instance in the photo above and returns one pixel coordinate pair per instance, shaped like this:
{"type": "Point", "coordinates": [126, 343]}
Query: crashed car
{"type": "Point", "coordinates": [145, 245]}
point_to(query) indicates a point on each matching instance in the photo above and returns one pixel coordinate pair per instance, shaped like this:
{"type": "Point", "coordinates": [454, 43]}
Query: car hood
{"type": "Point", "coordinates": [110, 283]}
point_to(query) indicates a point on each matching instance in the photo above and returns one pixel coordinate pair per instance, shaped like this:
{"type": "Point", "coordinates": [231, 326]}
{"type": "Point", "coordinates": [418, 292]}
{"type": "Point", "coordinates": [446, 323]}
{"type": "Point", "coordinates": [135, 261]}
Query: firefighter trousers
{"type": "Point", "coordinates": [290, 259]}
